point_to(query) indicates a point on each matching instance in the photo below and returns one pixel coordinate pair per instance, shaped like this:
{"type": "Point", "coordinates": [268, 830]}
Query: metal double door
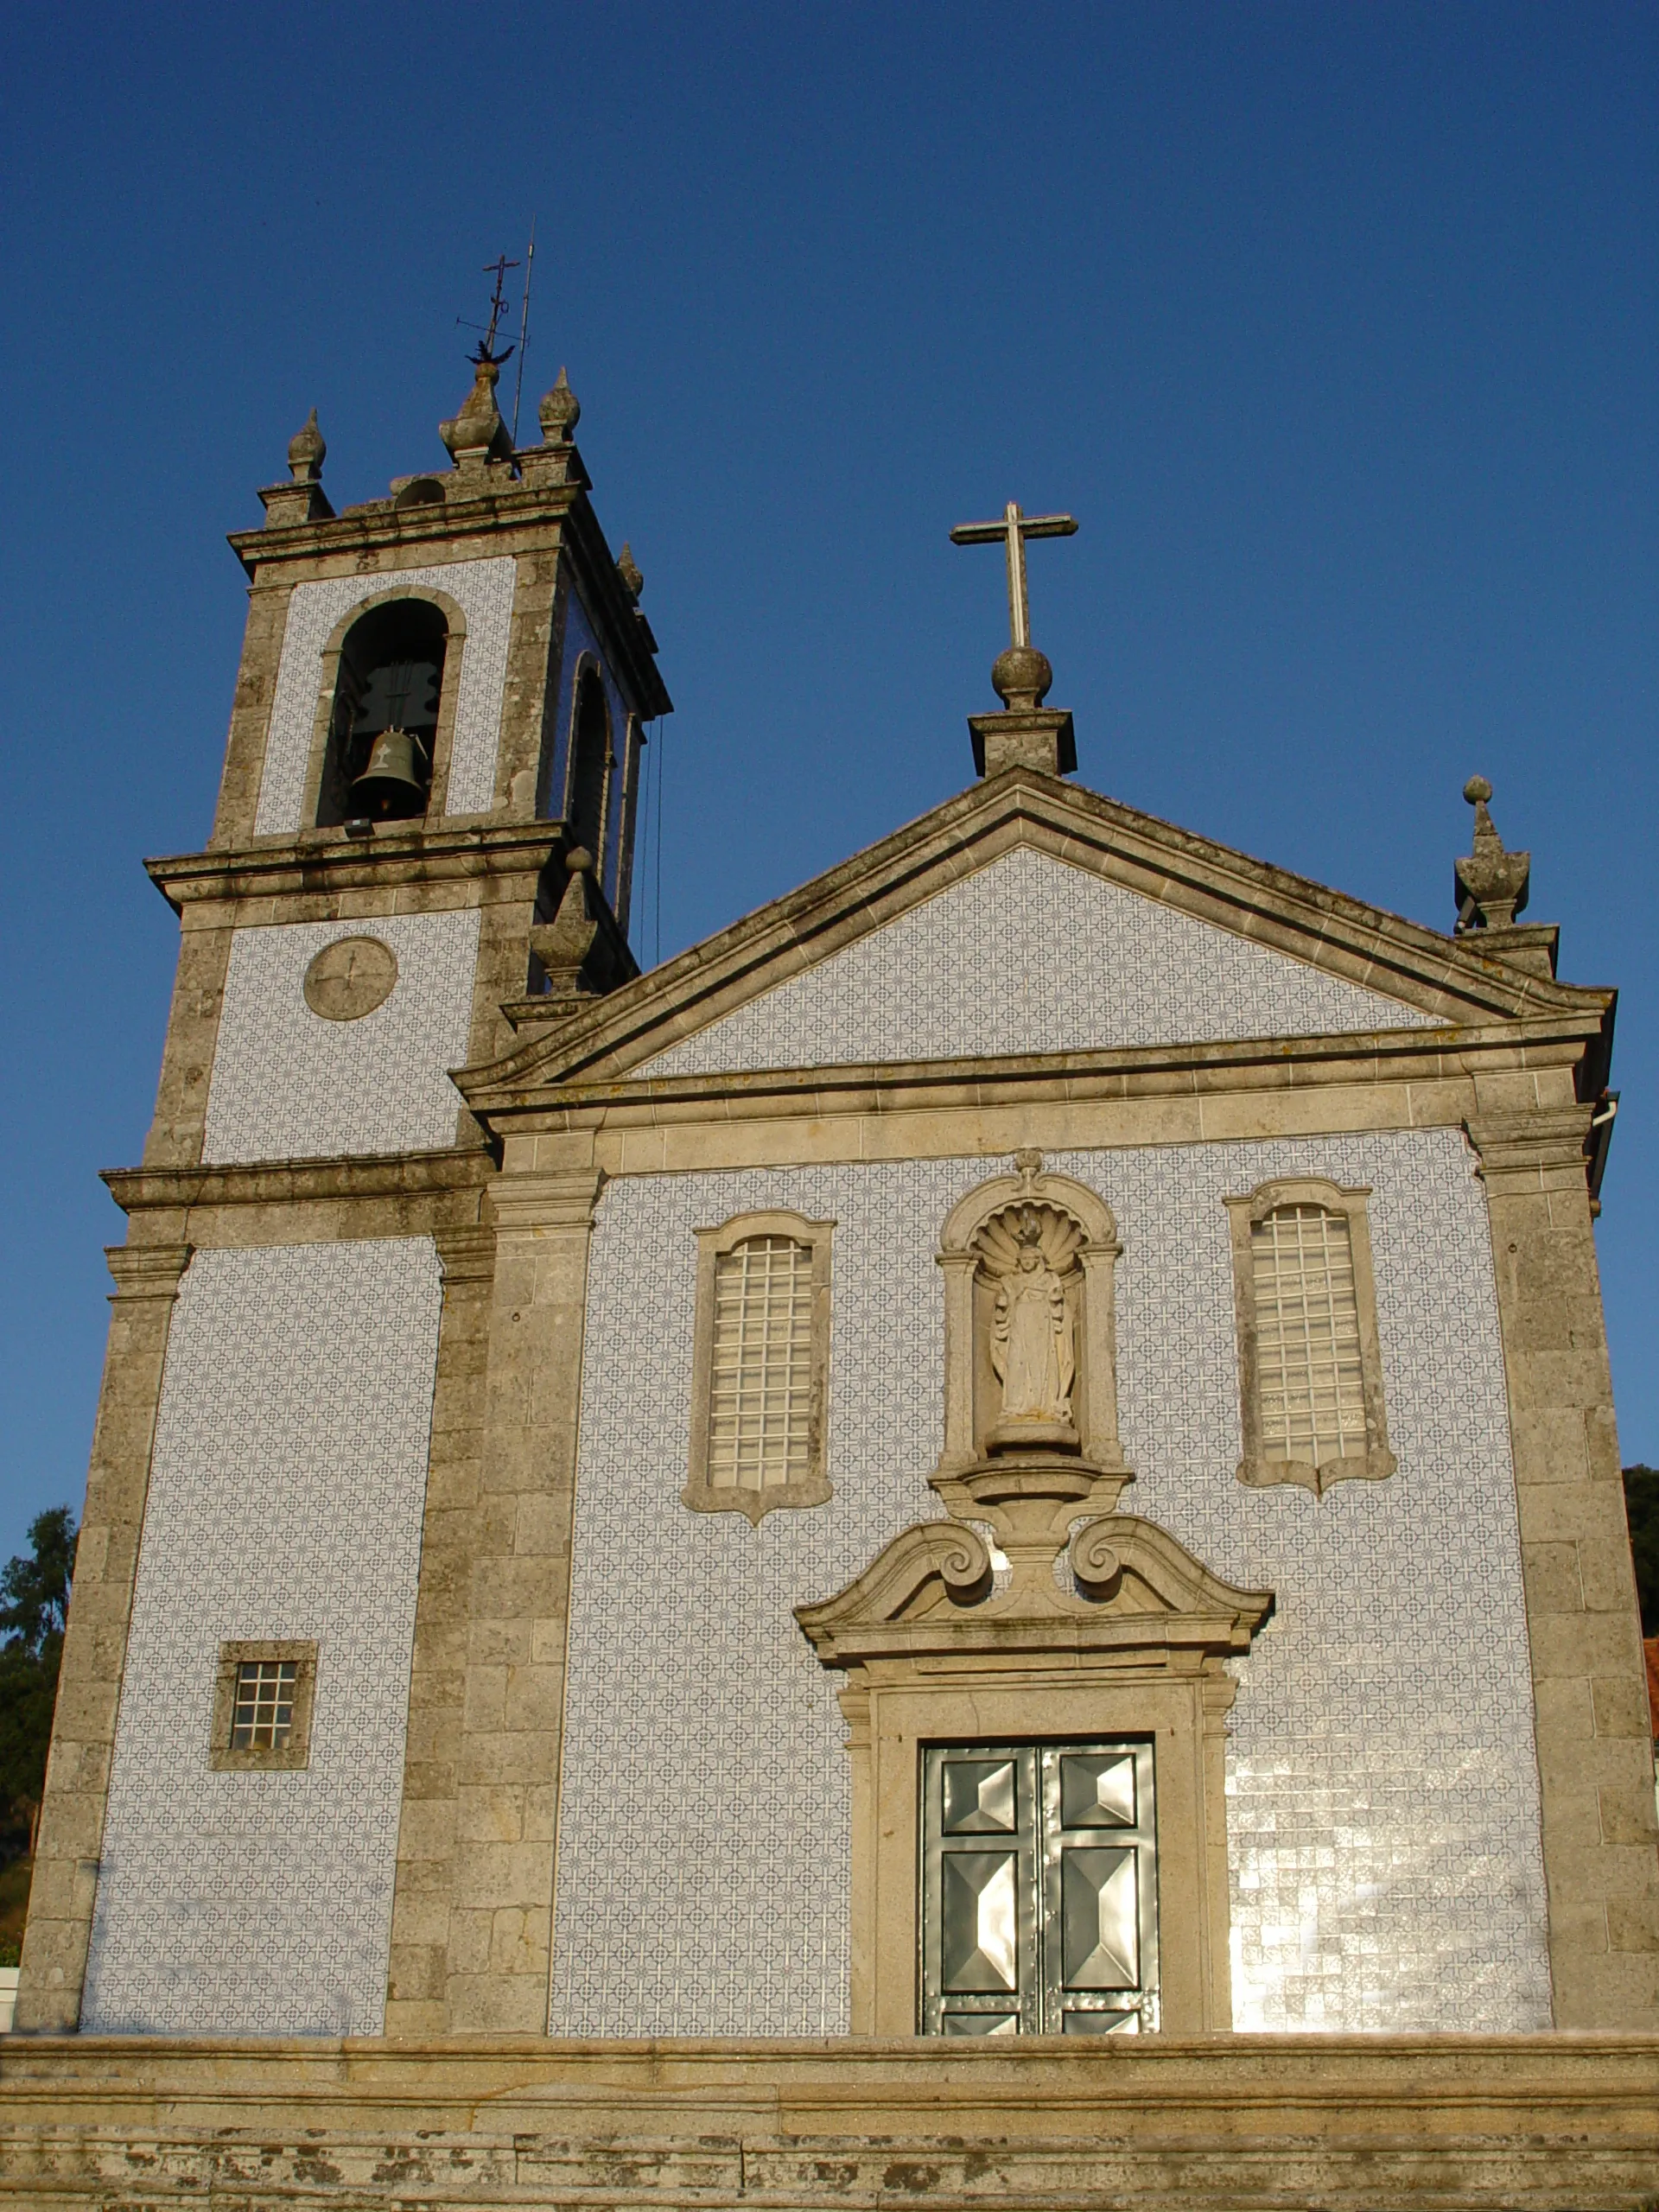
{"type": "Point", "coordinates": [1039, 1889]}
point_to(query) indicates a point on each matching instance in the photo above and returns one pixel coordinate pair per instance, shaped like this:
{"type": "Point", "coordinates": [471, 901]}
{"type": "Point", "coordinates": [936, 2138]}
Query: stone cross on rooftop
{"type": "Point", "coordinates": [1024, 735]}
{"type": "Point", "coordinates": [1014, 530]}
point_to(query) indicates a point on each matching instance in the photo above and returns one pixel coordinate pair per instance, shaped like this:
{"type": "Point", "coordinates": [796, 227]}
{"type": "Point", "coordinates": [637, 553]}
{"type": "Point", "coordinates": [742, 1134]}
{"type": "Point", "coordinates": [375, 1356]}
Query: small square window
{"type": "Point", "coordinates": [264, 1718]}
{"type": "Point", "coordinates": [261, 1706]}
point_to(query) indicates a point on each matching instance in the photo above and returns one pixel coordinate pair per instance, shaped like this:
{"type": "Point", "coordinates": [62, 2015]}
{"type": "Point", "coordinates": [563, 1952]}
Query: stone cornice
{"type": "Point", "coordinates": [465, 1253]}
{"type": "Point", "coordinates": [1528, 1145]}
{"type": "Point", "coordinates": [326, 861]}
{"type": "Point", "coordinates": [560, 1198]}
{"type": "Point", "coordinates": [388, 1175]}
{"type": "Point", "coordinates": [1119, 1071]}
{"type": "Point", "coordinates": [147, 1270]}
{"type": "Point", "coordinates": [513, 516]}
{"type": "Point", "coordinates": [1429, 972]}
{"type": "Point", "coordinates": [497, 507]}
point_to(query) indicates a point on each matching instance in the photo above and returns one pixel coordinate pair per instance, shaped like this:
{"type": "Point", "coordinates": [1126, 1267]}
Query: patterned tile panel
{"type": "Point", "coordinates": [1382, 1795]}
{"type": "Point", "coordinates": [1031, 954]}
{"type": "Point", "coordinates": [484, 590]}
{"type": "Point", "coordinates": [287, 1084]}
{"type": "Point", "coordinates": [285, 1500]}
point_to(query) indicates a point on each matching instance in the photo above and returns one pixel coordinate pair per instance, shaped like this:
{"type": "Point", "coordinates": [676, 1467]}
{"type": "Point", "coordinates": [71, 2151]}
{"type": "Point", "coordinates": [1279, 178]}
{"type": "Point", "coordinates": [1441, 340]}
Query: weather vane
{"type": "Point", "coordinates": [485, 349]}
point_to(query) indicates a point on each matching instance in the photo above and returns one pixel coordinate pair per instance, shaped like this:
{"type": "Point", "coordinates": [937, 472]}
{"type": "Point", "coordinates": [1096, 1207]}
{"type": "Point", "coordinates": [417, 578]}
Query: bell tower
{"type": "Point", "coordinates": [435, 748]}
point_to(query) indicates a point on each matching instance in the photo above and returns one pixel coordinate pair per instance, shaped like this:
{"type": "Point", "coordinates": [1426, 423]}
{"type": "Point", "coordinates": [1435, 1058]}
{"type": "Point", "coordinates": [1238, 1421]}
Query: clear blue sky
{"type": "Point", "coordinates": [1334, 325]}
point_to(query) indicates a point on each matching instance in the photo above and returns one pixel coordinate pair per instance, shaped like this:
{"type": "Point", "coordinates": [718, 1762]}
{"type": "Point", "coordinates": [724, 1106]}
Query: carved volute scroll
{"type": "Point", "coordinates": [1030, 1330]}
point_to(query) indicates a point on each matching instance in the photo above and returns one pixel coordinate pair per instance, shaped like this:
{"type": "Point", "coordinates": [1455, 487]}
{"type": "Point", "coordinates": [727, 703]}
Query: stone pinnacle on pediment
{"type": "Point", "coordinates": [1490, 883]}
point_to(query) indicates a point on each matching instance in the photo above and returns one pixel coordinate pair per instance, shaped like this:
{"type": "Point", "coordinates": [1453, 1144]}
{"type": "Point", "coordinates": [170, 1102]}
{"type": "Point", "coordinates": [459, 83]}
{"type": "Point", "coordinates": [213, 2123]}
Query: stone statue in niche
{"type": "Point", "coordinates": [1030, 1339]}
{"type": "Point", "coordinates": [1028, 1256]}
{"type": "Point", "coordinates": [1032, 1343]}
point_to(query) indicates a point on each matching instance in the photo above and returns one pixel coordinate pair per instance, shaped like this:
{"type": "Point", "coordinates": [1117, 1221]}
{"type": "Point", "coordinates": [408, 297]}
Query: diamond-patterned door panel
{"type": "Point", "coordinates": [978, 1895]}
{"type": "Point", "coordinates": [1056, 1934]}
{"type": "Point", "coordinates": [1097, 1791]}
{"type": "Point", "coordinates": [979, 1795]}
{"type": "Point", "coordinates": [1099, 1920]}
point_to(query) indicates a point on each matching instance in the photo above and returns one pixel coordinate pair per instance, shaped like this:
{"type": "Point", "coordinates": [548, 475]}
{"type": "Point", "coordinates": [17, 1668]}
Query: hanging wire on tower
{"type": "Point", "coordinates": [657, 853]}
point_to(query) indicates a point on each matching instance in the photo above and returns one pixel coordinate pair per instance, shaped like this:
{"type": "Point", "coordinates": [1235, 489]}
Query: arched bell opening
{"type": "Point", "coordinates": [382, 729]}
{"type": "Point", "coordinates": [590, 767]}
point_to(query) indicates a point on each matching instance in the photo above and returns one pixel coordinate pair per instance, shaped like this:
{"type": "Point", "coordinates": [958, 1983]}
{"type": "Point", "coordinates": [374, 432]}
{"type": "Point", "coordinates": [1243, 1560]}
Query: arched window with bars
{"type": "Point", "coordinates": [1310, 1364]}
{"type": "Point", "coordinates": [761, 1353]}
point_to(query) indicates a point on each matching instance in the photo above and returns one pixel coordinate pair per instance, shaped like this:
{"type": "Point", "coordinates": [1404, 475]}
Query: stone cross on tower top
{"type": "Point", "coordinates": [1024, 735]}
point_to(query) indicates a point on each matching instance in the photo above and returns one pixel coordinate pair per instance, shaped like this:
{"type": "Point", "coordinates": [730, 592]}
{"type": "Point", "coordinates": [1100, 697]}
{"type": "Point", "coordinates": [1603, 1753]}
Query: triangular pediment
{"type": "Point", "coordinates": [1028, 917]}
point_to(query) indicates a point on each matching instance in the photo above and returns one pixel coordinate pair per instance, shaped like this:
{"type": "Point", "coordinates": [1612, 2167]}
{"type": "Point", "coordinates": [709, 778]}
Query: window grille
{"type": "Point", "coordinates": [263, 1715]}
{"type": "Point", "coordinates": [1312, 1383]}
{"type": "Point", "coordinates": [760, 1395]}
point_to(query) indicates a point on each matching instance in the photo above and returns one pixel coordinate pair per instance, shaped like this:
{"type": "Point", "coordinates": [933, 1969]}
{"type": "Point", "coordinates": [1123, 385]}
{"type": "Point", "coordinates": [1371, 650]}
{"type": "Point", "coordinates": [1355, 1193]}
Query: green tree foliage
{"type": "Point", "coordinates": [1642, 1511]}
{"type": "Point", "coordinates": [33, 1607]}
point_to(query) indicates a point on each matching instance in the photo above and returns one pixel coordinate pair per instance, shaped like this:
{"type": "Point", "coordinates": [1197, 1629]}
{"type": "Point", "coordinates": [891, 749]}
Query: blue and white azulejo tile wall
{"type": "Point", "coordinates": [1382, 1795]}
{"type": "Point", "coordinates": [287, 1084]}
{"type": "Point", "coordinates": [1031, 954]}
{"type": "Point", "coordinates": [286, 1495]}
{"type": "Point", "coordinates": [483, 590]}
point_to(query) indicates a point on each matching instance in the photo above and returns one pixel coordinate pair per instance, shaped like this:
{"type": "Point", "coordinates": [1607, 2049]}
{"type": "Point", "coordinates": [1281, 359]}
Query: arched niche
{"type": "Point", "coordinates": [363, 685]}
{"type": "Point", "coordinates": [1074, 1235]}
{"type": "Point", "coordinates": [588, 775]}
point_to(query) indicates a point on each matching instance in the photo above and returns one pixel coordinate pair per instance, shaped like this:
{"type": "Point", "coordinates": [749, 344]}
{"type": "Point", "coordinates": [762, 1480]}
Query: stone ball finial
{"type": "Point", "coordinates": [561, 411]}
{"type": "Point", "coordinates": [1020, 678]}
{"type": "Point", "coordinates": [1477, 790]}
{"type": "Point", "coordinates": [579, 860]}
{"type": "Point", "coordinates": [628, 568]}
{"type": "Point", "coordinates": [307, 452]}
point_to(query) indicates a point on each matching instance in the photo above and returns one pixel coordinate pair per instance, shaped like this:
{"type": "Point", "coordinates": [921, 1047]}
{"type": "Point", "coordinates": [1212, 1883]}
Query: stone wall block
{"type": "Point", "coordinates": [1606, 1571]}
{"type": "Point", "coordinates": [512, 2003]}
{"type": "Point", "coordinates": [1552, 1577]}
{"type": "Point", "coordinates": [1626, 1805]}
{"type": "Point", "coordinates": [1620, 1708]}
{"type": "Point", "coordinates": [495, 1815]}
{"type": "Point", "coordinates": [535, 1698]}
{"type": "Point", "coordinates": [1633, 1924]}
{"type": "Point", "coordinates": [493, 1875]}
{"type": "Point", "coordinates": [468, 1951]}
{"type": "Point", "coordinates": [517, 1755]}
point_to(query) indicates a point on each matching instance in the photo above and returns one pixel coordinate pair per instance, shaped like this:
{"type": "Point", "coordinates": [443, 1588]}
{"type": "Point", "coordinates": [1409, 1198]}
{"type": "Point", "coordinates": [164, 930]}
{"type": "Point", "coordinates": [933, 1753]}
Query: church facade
{"type": "Point", "coordinates": [1018, 1445]}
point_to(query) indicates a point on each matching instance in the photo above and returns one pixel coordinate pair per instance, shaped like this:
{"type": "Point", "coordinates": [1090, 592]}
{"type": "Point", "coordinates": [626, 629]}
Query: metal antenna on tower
{"type": "Point", "coordinates": [524, 328]}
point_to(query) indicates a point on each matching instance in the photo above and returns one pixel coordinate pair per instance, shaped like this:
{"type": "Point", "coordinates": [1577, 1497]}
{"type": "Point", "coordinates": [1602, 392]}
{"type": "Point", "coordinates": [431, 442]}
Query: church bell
{"type": "Point", "coordinates": [394, 783]}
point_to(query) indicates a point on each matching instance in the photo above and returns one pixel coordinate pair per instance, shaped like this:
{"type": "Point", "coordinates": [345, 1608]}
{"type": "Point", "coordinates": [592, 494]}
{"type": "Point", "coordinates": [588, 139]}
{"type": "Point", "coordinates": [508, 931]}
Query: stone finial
{"type": "Point", "coordinates": [628, 568]}
{"type": "Point", "coordinates": [477, 434]}
{"type": "Point", "coordinates": [561, 411]}
{"type": "Point", "coordinates": [1021, 677]}
{"type": "Point", "coordinates": [563, 945]}
{"type": "Point", "coordinates": [307, 452]}
{"type": "Point", "coordinates": [1491, 884]}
